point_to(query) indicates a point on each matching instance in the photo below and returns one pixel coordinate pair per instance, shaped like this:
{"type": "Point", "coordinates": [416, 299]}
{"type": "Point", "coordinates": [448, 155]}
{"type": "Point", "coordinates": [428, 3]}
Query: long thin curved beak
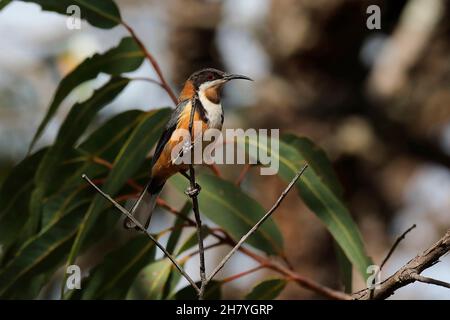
{"type": "Point", "coordinates": [229, 77]}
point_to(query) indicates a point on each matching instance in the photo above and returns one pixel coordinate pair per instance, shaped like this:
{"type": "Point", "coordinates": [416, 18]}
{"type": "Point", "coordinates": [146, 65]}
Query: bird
{"type": "Point", "coordinates": [203, 89]}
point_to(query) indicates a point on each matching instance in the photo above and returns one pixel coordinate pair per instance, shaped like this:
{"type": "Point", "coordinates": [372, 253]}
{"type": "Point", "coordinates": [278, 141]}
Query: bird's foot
{"type": "Point", "coordinates": [193, 192]}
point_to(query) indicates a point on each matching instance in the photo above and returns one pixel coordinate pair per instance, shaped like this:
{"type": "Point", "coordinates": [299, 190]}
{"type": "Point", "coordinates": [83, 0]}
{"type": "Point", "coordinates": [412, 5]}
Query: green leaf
{"type": "Point", "coordinates": [4, 3]}
{"type": "Point", "coordinates": [232, 209]}
{"type": "Point", "coordinates": [126, 57]}
{"type": "Point", "coordinates": [317, 191]}
{"type": "Point", "coordinates": [150, 282]}
{"type": "Point", "coordinates": [345, 268]}
{"type": "Point", "coordinates": [104, 143]}
{"type": "Point", "coordinates": [317, 160]}
{"type": "Point", "coordinates": [127, 162]}
{"type": "Point", "coordinates": [14, 199]}
{"type": "Point", "coordinates": [267, 290]}
{"type": "Point", "coordinates": [78, 119]}
{"type": "Point", "coordinates": [112, 278]}
{"type": "Point", "coordinates": [176, 233]}
{"type": "Point", "coordinates": [100, 13]}
{"type": "Point", "coordinates": [192, 240]}
{"type": "Point", "coordinates": [212, 292]}
{"type": "Point", "coordinates": [42, 252]}
{"type": "Point", "coordinates": [172, 282]}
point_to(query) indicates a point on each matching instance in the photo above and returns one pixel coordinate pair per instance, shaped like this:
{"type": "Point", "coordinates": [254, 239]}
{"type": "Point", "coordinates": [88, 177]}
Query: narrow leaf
{"type": "Point", "coordinates": [78, 119]}
{"type": "Point", "coordinates": [100, 13]}
{"type": "Point", "coordinates": [14, 199]}
{"type": "Point", "coordinates": [127, 162]}
{"type": "Point", "coordinates": [149, 284]}
{"type": "Point", "coordinates": [267, 290]}
{"type": "Point", "coordinates": [317, 194]}
{"type": "Point", "coordinates": [112, 278]}
{"type": "Point", "coordinates": [212, 292]}
{"type": "Point", "coordinates": [126, 57]}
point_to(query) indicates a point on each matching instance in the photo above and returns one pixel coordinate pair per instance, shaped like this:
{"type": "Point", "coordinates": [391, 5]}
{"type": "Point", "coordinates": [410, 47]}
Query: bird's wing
{"type": "Point", "coordinates": [168, 131]}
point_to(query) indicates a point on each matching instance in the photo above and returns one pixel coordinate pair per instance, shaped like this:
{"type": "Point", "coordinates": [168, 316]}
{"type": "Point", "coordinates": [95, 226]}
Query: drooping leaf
{"type": "Point", "coordinates": [42, 252]}
{"type": "Point", "coordinates": [345, 268]}
{"type": "Point", "coordinates": [267, 290]}
{"type": "Point", "coordinates": [318, 194]}
{"type": "Point", "coordinates": [127, 162]}
{"type": "Point", "coordinates": [76, 122]}
{"type": "Point", "coordinates": [317, 160]}
{"type": "Point", "coordinates": [229, 207]}
{"type": "Point", "coordinates": [112, 278]}
{"type": "Point", "coordinates": [100, 13]}
{"type": "Point", "coordinates": [212, 292]}
{"type": "Point", "coordinates": [4, 3]}
{"type": "Point", "coordinates": [104, 143]}
{"type": "Point", "coordinates": [126, 57]}
{"type": "Point", "coordinates": [14, 198]}
{"type": "Point", "coordinates": [149, 284]}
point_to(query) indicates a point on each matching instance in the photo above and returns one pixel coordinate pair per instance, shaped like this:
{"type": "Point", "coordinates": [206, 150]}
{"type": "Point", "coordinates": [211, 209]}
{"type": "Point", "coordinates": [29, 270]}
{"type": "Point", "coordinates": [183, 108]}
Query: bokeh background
{"type": "Point", "coordinates": [378, 102]}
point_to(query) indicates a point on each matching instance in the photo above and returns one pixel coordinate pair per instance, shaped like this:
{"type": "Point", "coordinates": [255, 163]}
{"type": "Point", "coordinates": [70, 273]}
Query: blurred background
{"type": "Point", "coordinates": [377, 101]}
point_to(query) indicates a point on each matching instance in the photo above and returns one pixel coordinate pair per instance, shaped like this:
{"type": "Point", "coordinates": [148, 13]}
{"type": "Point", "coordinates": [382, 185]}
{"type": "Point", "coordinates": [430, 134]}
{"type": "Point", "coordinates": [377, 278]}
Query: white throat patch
{"type": "Point", "coordinates": [214, 111]}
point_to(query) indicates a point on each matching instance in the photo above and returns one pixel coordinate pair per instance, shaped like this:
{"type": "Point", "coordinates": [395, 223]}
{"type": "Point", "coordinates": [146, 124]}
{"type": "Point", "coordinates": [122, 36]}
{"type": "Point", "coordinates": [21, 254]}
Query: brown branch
{"type": "Point", "coordinates": [243, 173]}
{"type": "Point", "coordinates": [243, 273]}
{"type": "Point", "coordinates": [396, 243]}
{"type": "Point", "coordinates": [153, 62]}
{"type": "Point", "coordinates": [215, 169]}
{"type": "Point", "coordinates": [409, 272]}
{"type": "Point", "coordinates": [423, 279]}
{"type": "Point", "coordinates": [391, 251]}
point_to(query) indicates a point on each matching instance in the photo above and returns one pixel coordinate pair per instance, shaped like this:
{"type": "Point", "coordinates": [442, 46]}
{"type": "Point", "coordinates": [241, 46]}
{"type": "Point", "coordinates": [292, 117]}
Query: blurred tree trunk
{"type": "Point", "coordinates": [193, 25]}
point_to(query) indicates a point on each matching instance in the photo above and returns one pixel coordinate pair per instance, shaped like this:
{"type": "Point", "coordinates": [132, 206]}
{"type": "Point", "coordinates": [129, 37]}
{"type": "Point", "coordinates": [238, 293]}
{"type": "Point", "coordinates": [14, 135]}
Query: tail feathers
{"type": "Point", "coordinates": [143, 211]}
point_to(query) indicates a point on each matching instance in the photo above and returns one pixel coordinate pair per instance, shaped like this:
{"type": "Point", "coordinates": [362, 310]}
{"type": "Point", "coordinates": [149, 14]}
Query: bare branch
{"type": "Point", "coordinates": [423, 279]}
{"type": "Point", "coordinates": [394, 246]}
{"type": "Point", "coordinates": [391, 251]}
{"type": "Point", "coordinates": [139, 225]}
{"type": "Point", "coordinates": [256, 226]}
{"type": "Point", "coordinates": [410, 272]}
{"type": "Point", "coordinates": [153, 62]}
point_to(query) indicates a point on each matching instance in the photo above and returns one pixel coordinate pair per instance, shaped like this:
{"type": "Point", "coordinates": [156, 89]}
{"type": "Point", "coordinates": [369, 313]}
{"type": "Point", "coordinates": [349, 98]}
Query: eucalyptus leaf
{"type": "Point", "coordinates": [126, 57]}
{"type": "Point", "coordinates": [267, 290]}
{"type": "Point", "coordinates": [127, 162]}
{"type": "Point", "coordinates": [319, 193]}
{"type": "Point", "coordinates": [100, 13]}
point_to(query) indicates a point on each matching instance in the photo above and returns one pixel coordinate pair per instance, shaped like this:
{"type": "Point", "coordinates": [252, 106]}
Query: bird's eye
{"type": "Point", "coordinates": [210, 76]}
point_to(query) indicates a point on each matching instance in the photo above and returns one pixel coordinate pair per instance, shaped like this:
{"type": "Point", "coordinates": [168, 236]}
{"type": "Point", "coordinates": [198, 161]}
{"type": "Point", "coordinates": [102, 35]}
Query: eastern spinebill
{"type": "Point", "coordinates": [203, 90]}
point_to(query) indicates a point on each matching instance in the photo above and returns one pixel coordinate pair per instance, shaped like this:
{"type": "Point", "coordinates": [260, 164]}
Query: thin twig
{"type": "Point", "coordinates": [423, 279]}
{"type": "Point", "coordinates": [408, 273]}
{"type": "Point", "coordinates": [242, 274]}
{"type": "Point", "coordinates": [153, 62]}
{"type": "Point", "coordinates": [139, 225]}
{"type": "Point", "coordinates": [195, 208]}
{"type": "Point", "coordinates": [394, 246]}
{"type": "Point", "coordinates": [391, 251]}
{"type": "Point", "coordinates": [243, 173]}
{"type": "Point", "coordinates": [256, 226]}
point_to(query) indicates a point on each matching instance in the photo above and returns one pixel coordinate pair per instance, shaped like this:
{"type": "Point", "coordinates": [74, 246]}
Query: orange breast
{"type": "Point", "coordinates": [163, 167]}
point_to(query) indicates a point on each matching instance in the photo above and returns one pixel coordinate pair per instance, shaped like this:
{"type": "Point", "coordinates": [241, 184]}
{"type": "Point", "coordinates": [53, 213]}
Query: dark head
{"type": "Point", "coordinates": [208, 81]}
